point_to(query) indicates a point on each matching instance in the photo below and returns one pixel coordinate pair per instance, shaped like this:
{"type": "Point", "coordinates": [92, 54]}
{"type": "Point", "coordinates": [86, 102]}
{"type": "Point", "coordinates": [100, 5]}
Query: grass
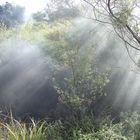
{"type": "Point", "coordinates": [86, 128]}
{"type": "Point", "coordinates": [16, 130]}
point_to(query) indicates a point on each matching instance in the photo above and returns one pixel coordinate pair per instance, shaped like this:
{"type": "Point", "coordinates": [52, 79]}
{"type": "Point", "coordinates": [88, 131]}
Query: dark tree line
{"type": "Point", "coordinates": [56, 10]}
{"type": "Point", "coordinates": [11, 15]}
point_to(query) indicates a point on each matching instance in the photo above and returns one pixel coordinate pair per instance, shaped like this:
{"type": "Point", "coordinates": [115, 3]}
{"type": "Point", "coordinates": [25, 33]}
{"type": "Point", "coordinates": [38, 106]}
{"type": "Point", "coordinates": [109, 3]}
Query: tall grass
{"type": "Point", "coordinates": [86, 128]}
{"type": "Point", "coordinates": [17, 130]}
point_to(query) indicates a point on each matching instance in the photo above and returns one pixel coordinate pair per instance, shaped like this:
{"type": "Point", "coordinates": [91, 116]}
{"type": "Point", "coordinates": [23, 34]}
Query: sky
{"type": "Point", "coordinates": [31, 6]}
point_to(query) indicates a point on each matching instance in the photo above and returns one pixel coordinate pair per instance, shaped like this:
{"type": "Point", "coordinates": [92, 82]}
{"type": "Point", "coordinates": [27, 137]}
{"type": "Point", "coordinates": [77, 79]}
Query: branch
{"type": "Point", "coordinates": [127, 26]}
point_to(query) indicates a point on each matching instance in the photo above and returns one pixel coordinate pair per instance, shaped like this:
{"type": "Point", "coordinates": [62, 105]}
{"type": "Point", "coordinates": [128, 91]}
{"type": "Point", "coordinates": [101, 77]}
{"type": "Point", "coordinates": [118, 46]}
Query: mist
{"type": "Point", "coordinates": [26, 72]}
{"type": "Point", "coordinates": [27, 68]}
{"type": "Point", "coordinates": [69, 70]}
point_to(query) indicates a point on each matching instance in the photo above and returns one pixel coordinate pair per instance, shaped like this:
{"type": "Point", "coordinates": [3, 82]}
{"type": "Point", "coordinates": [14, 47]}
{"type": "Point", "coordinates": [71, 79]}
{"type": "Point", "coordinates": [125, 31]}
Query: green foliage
{"type": "Point", "coordinates": [38, 33]}
{"type": "Point", "coordinates": [86, 128]}
{"type": "Point", "coordinates": [4, 33]}
{"type": "Point", "coordinates": [123, 13]}
{"type": "Point", "coordinates": [131, 124]}
{"type": "Point", "coordinates": [78, 90]}
{"type": "Point", "coordinates": [84, 83]}
{"type": "Point", "coordinates": [15, 130]}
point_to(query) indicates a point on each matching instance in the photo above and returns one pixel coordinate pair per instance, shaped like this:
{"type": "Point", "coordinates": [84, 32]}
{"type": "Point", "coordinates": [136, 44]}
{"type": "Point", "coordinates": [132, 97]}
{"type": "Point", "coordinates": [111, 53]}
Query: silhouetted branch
{"type": "Point", "coordinates": [108, 7]}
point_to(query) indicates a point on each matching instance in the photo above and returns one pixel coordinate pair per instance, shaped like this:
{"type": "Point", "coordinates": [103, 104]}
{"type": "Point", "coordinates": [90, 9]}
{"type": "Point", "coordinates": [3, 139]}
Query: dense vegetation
{"type": "Point", "coordinates": [80, 84]}
{"type": "Point", "coordinates": [87, 128]}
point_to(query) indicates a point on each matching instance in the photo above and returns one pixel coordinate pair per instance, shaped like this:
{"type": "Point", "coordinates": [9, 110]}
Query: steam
{"type": "Point", "coordinates": [25, 71]}
{"type": "Point", "coordinates": [111, 53]}
{"type": "Point", "coordinates": [24, 75]}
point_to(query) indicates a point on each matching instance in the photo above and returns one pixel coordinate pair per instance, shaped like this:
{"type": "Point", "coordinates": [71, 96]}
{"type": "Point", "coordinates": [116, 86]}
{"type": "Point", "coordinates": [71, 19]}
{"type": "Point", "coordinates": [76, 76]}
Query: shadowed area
{"type": "Point", "coordinates": [24, 80]}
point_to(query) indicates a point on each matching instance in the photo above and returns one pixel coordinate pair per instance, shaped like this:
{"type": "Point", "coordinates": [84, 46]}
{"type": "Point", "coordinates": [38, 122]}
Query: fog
{"type": "Point", "coordinates": [27, 69]}
{"type": "Point", "coordinates": [26, 72]}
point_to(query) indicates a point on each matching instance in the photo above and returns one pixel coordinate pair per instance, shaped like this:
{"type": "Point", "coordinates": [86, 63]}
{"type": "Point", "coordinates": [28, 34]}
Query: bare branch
{"type": "Point", "coordinates": [109, 7]}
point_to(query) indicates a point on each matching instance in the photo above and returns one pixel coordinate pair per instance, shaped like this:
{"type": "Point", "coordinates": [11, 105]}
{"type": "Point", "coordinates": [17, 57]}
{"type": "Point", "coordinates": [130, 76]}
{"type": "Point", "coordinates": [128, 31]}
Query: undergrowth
{"type": "Point", "coordinates": [86, 128]}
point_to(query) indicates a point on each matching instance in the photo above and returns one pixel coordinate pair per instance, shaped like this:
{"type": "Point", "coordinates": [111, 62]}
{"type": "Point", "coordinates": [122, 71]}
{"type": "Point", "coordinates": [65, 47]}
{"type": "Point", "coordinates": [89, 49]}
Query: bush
{"type": "Point", "coordinates": [84, 83]}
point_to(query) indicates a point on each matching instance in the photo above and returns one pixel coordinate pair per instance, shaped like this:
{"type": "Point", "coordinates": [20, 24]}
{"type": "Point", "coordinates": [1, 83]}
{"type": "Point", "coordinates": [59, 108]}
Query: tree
{"type": "Point", "coordinates": [39, 16]}
{"type": "Point", "coordinates": [56, 9]}
{"type": "Point", "coordinates": [123, 15]}
{"type": "Point", "coordinates": [82, 85]}
{"type": "Point", "coordinates": [11, 15]}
